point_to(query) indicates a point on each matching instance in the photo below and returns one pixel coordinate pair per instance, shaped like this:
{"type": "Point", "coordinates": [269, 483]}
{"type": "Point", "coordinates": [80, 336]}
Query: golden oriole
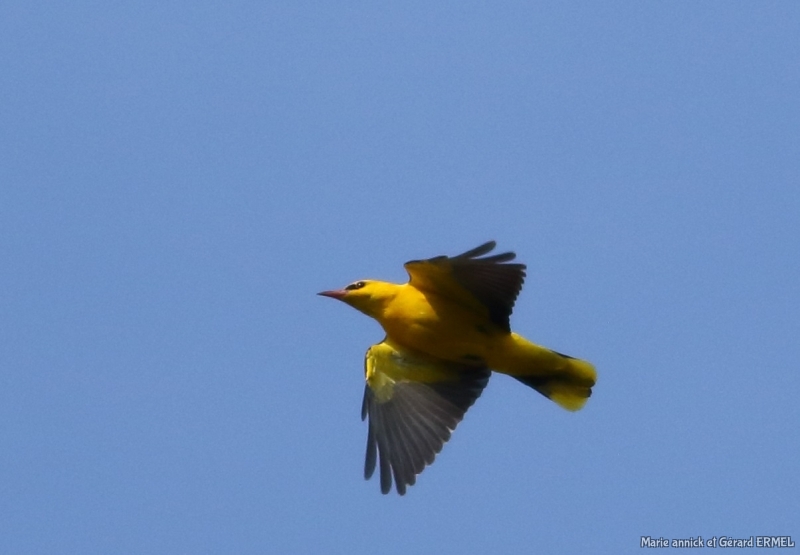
{"type": "Point", "coordinates": [446, 330]}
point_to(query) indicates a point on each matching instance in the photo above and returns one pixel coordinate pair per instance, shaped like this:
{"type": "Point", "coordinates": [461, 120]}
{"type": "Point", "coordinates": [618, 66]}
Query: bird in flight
{"type": "Point", "coordinates": [446, 330]}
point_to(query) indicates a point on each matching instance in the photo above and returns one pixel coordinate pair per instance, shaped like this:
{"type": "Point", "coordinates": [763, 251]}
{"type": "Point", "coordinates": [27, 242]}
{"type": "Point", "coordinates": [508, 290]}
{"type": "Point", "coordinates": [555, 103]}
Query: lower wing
{"type": "Point", "coordinates": [413, 404]}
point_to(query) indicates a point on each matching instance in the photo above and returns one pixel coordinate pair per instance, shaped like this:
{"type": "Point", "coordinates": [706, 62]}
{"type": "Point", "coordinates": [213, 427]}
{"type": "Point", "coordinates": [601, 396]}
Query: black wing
{"type": "Point", "coordinates": [466, 278]}
{"type": "Point", "coordinates": [413, 406]}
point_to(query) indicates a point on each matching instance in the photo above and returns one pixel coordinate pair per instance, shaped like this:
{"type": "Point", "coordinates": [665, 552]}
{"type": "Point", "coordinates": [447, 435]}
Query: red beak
{"type": "Point", "coordinates": [334, 294]}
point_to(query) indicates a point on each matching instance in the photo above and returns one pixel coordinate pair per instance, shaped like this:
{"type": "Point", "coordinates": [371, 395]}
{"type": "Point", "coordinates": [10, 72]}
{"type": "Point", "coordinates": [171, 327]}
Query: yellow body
{"type": "Point", "coordinates": [454, 330]}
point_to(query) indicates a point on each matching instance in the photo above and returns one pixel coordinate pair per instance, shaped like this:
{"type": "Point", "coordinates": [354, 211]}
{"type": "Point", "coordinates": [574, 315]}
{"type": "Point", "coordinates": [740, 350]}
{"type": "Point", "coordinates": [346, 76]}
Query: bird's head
{"type": "Point", "coordinates": [367, 296]}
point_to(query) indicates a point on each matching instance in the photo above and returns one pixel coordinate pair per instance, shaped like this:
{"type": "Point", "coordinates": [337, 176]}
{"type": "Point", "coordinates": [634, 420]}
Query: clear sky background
{"type": "Point", "coordinates": [179, 179]}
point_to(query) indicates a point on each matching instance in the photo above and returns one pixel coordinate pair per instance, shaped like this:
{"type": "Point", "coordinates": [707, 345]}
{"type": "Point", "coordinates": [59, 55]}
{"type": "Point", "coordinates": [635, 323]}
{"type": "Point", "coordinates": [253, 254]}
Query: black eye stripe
{"type": "Point", "coordinates": [356, 285]}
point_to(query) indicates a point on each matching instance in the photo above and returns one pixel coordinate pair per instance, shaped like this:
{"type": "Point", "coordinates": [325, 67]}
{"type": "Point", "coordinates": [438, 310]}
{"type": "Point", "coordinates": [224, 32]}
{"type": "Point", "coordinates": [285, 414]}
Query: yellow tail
{"type": "Point", "coordinates": [566, 380]}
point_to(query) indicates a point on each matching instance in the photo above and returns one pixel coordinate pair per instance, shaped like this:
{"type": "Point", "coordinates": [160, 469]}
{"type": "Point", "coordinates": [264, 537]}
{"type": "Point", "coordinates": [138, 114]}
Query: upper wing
{"type": "Point", "coordinates": [486, 284]}
{"type": "Point", "coordinates": [413, 405]}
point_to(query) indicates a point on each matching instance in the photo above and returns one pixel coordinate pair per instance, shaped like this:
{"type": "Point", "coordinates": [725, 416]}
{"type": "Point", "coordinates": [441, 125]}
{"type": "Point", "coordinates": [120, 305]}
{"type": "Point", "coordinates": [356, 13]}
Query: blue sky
{"type": "Point", "coordinates": [178, 180]}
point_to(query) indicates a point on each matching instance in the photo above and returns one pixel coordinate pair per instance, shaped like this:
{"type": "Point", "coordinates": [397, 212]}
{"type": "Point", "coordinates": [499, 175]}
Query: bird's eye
{"type": "Point", "coordinates": [356, 285]}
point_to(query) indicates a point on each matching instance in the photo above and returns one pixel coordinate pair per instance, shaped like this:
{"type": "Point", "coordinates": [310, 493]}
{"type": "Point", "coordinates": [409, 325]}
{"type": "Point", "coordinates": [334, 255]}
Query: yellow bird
{"type": "Point", "coordinates": [446, 330]}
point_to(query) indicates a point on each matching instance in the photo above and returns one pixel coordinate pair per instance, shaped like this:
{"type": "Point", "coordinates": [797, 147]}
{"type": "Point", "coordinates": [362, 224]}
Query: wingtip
{"type": "Point", "coordinates": [480, 250]}
{"type": "Point", "coordinates": [386, 485]}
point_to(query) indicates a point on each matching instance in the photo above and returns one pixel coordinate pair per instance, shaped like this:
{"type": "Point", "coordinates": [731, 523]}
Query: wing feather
{"type": "Point", "coordinates": [411, 420]}
{"type": "Point", "coordinates": [372, 450]}
{"type": "Point", "coordinates": [490, 284]}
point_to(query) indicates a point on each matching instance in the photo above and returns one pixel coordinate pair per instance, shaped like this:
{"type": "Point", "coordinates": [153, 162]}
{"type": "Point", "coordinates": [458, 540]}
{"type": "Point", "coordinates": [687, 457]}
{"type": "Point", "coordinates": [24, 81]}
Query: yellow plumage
{"type": "Point", "coordinates": [445, 330]}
